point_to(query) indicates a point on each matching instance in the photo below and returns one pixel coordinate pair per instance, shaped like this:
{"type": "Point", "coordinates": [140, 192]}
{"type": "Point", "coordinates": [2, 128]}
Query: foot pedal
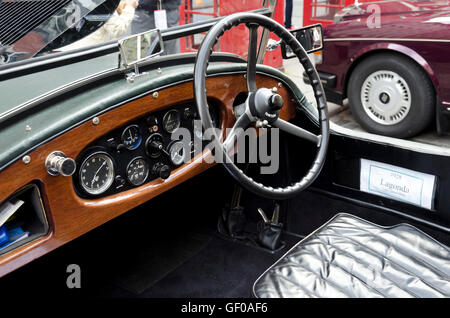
{"type": "Point", "coordinates": [269, 231]}
{"type": "Point", "coordinates": [269, 235]}
{"type": "Point", "coordinates": [232, 222]}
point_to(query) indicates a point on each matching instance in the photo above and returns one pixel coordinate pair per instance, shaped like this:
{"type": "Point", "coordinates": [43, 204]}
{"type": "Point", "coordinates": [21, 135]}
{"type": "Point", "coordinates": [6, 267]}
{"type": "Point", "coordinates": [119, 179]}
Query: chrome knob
{"type": "Point", "coordinates": [57, 164]}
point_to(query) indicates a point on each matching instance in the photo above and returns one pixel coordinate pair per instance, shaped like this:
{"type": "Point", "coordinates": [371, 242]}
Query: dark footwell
{"type": "Point", "coordinates": [221, 269]}
{"type": "Point", "coordinates": [144, 254]}
{"type": "Point", "coordinates": [190, 265]}
{"type": "Point", "coordinates": [166, 250]}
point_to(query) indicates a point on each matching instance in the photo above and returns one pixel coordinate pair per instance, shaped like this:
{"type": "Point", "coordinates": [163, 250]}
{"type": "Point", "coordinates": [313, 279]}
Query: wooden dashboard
{"type": "Point", "coordinates": [69, 216]}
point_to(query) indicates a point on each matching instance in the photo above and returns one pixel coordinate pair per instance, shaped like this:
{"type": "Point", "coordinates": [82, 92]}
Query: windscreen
{"type": "Point", "coordinates": [30, 28]}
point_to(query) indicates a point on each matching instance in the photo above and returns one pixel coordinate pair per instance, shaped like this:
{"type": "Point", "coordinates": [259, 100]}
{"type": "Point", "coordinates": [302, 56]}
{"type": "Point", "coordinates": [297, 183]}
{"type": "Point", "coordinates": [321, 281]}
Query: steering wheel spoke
{"type": "Point", "coordinates": [233, 135]}
{"type": "Point", "coordinates": [297, 131]}
{"type": "Point", "coordinates": [252, 56]}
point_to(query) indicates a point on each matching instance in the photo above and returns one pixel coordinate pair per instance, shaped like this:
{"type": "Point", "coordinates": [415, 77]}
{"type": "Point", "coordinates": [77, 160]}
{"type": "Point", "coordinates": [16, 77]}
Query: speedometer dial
{"type": "Point", "coordinates": [137, 171]}
{"type": "Point", "coordinates": [97, 173]}
{"type": "Point", "coordinates": [171, 121]}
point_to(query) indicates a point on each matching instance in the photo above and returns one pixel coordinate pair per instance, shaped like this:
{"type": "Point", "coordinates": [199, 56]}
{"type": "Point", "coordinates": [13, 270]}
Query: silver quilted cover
{"type": "Point", "coordinates": [351, 257]}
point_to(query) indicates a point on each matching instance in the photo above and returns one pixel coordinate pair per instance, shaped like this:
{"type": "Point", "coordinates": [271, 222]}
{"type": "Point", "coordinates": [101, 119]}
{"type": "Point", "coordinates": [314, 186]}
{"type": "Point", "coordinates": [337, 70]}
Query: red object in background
{"type": "Point", "coordinates": [192, 11]}
{"type": "Point", "coordinates": [323, 11]}
{"type": "Point", "coordinates": [235, 40]}
{"type": "Point", "coordinates": [274, 58]}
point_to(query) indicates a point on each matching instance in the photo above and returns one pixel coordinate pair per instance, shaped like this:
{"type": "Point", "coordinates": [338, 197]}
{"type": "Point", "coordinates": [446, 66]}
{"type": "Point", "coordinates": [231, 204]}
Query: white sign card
{"type": "Point", "coordinates": [160, 19]}
{"type": "Point", "coordinates": [397, 183]}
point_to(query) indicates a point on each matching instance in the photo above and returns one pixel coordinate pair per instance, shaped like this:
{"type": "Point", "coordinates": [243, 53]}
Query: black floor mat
{"type": "Point", "coordinates": [154, 260]}
{"type": "Point", "coordinates": [222, 269]}
{"type": "Point", "coordinates": [186, 265]}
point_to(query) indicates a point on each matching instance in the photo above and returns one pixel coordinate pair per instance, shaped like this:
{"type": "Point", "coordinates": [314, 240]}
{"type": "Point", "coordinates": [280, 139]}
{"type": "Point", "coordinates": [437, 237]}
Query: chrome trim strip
{"type": "Point", "coordinates": [390, 141]}
{"type": "Point", "coordinates": [60, 57]}
{"type": "Point", "coordinates": [382, 209]}
{"type": "Point", "coordinates": [386, 39]}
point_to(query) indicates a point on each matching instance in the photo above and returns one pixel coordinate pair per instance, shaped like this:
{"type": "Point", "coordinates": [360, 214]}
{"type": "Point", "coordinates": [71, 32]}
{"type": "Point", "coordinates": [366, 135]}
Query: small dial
{"type": "Point", "coordinates": [171, 121]}
{"type": "Point", "coordinates": [97, 173]}
{"type": "Point", "coordinates": [154, 145]}
{"type": "Point", "coordinates": [137, 171]}
{"type": "Point", "coordinates": [177, 153]}
{"type": "Point", "coordinates": [131, 137]}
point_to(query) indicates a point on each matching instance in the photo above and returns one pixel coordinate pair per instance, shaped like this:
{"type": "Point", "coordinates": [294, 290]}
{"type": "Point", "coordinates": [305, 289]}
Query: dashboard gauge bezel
{"type": "Point", "coordinates": [134, 147]}
{"type": "Point", "coordinates": [171, 145]}
{"type": "Point", "coordinates": [176, 111]}
{"type": "Point", "coordinates": [147, 152]}
{"type": "Point", "coordinates": [147, 171]}
{"type": "Point", "coordinates": [111, 176]}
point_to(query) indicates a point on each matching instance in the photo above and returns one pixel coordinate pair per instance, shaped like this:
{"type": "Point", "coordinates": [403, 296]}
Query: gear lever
{"type": "Point", "coordinates": [264, 216]}
{"type": "Point", "coordinates": [275, 215]}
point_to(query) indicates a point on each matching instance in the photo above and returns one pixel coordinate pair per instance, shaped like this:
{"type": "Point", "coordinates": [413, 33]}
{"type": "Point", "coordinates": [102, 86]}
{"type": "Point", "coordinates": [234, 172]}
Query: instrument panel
{"type": "Point", "coordinates": [71, 210]}
{"type": "Point", "coordinates": [141, 151]}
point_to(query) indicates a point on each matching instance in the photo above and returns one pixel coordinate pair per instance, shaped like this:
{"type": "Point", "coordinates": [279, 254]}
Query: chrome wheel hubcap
{"type": "Point", "coordinates": [386, 97]}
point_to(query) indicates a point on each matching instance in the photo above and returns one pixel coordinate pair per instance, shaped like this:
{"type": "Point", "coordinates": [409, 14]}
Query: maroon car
{"type": "Point", "coordinates": [391, 59]}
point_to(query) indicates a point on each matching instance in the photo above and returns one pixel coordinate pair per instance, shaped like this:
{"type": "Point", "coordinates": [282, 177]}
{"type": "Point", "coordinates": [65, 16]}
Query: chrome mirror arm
{"type": "Point", "coordinates": [131, 51]}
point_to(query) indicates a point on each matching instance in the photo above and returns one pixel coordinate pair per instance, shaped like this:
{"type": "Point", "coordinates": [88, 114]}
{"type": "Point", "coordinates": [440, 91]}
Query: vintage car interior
{"type": "Point", "coordinates": [90, 165]}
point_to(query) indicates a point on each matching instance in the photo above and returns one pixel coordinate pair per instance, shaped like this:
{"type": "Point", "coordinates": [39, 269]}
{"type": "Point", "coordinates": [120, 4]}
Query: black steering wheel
{"type": "Point", "coordinates": [263, 105]}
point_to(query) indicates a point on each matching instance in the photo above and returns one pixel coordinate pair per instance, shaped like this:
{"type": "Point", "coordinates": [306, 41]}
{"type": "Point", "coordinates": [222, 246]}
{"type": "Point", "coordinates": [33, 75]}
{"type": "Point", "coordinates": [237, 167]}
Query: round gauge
{"type": "Point", "coordinates": [154, 145]}
{"type": "Point", "coordinates": [131, 137]}
{"type": "Point", "coordinates": [97, 173]}
{"type": "Point", "coordinates": [137, 171]}
{"type": "Point", "coordinates": [177, 153]}
{"type": "Point", "coordinates": [171, 121]}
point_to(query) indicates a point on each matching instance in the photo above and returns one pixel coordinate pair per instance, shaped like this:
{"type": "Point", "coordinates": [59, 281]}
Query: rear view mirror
{"type": "Point", "coordinates": [140, 47]}
{"type": "Point", "coordinates": [310, 38]}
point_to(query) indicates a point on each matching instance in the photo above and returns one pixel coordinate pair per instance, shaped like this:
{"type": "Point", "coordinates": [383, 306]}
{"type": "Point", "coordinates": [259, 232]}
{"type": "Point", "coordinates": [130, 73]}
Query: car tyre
{"type": "Point", "coordinates": [391, 95]}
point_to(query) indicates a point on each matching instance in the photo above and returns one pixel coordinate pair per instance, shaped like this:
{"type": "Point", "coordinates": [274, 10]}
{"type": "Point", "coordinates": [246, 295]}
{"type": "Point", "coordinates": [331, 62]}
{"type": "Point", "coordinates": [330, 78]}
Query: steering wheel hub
{"type": "Point", "coordinates": [265, 105]}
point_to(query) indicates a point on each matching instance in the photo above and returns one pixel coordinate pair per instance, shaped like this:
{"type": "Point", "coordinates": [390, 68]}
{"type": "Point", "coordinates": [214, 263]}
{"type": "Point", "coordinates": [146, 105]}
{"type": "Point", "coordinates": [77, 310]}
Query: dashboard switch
{"type": "Point", "coordinates": [189, 113]}
{"type": "Point", "coordinates": [161, 170]}
{"type": "Point", "coordinates": [152, 121]}
{"type": "Point", "coordinates": [120, 181]}
{"type": "Point", "coordinates": [156, 145]}
{"type": "Point", "coordinates": [112, 143]}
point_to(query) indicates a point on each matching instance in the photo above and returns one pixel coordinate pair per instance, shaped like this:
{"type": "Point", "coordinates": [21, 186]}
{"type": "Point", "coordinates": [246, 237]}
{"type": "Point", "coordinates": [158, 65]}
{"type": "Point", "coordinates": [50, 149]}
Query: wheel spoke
{"type": "Point", "coordinates": [297, 131]}
{"type": "Point", "coordinates": [252, 57]}
{"type": "Point", "coordinates": [241, 124]}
